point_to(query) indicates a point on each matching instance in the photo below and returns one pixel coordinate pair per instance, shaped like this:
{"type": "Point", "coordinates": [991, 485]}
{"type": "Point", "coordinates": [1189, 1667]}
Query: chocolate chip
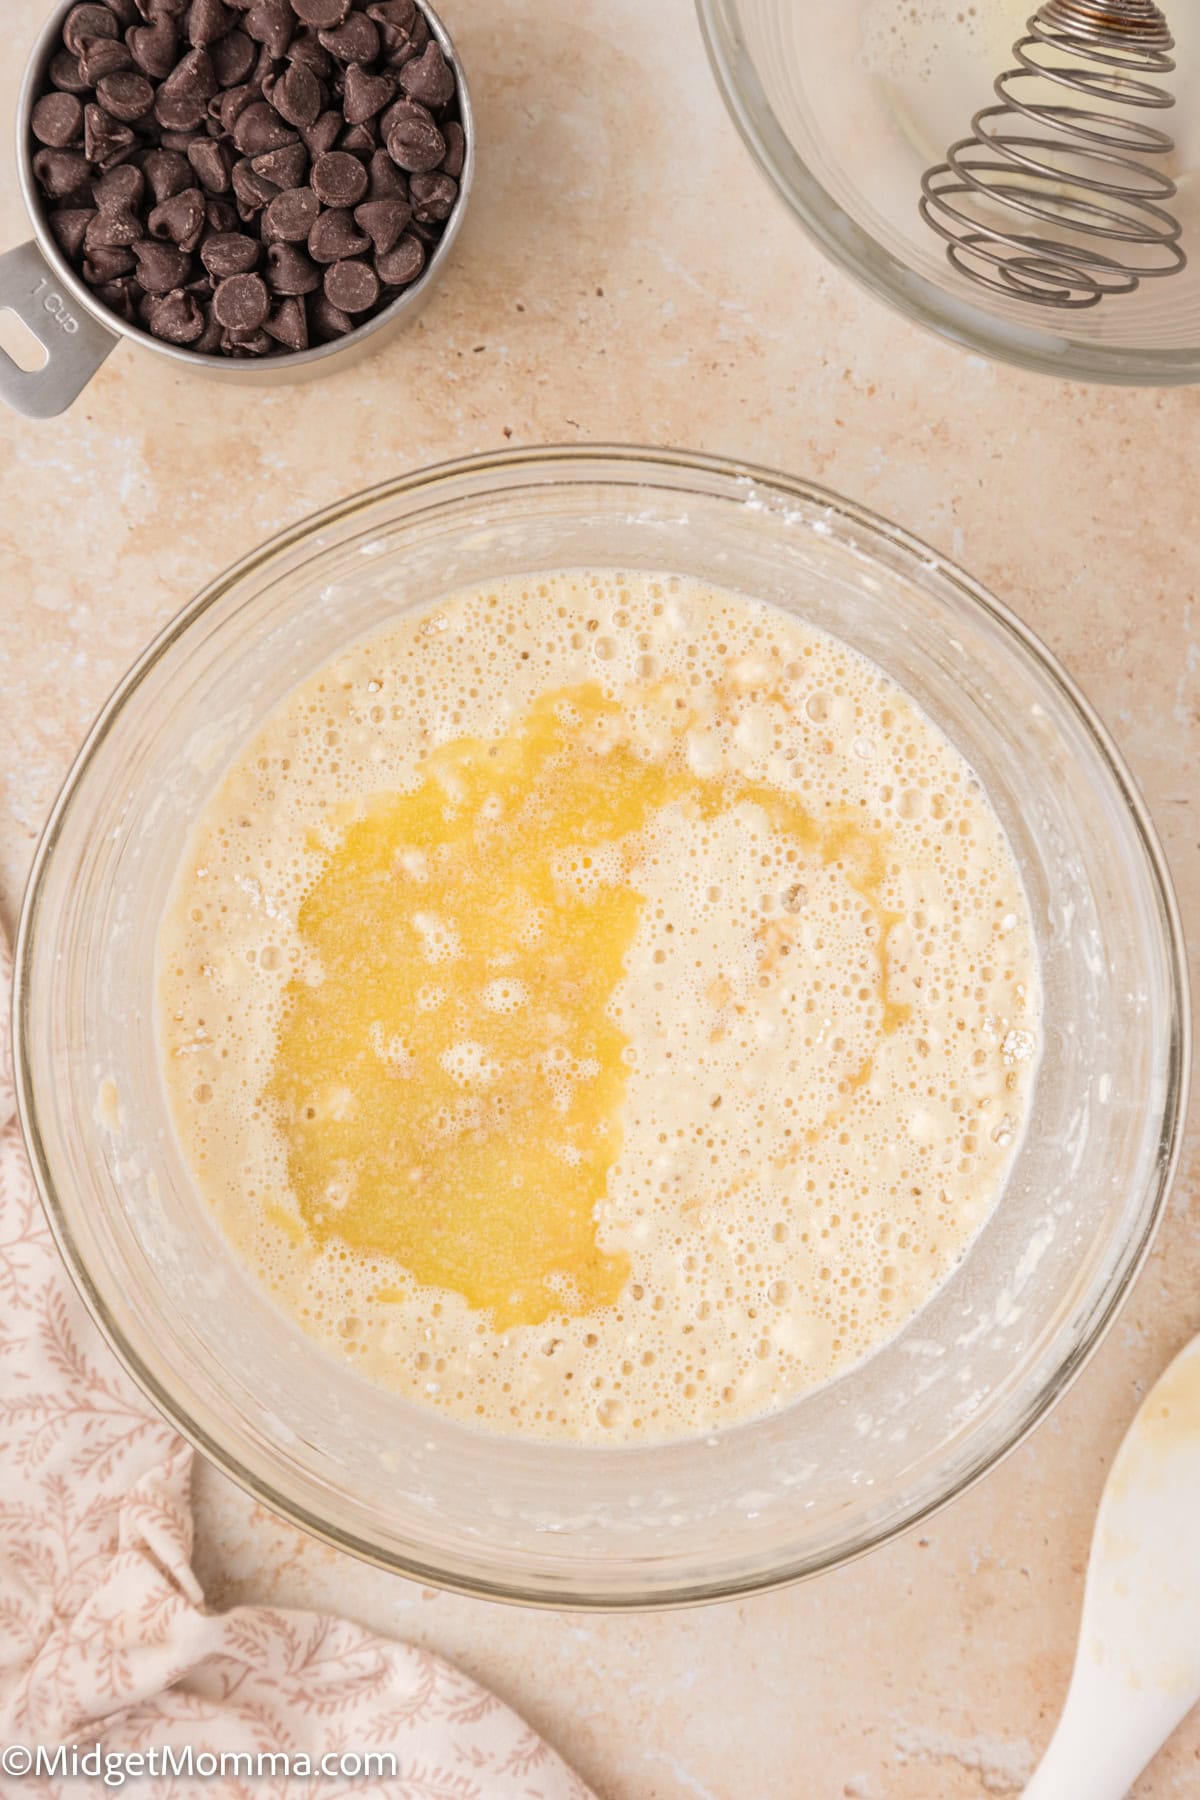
{"type": "Point", "coordinates": [246, 343]}
{"type": "Point", "coordinates": [229, 253]}
{"type": "Point", "coordinates": [365, 94]}
{"type": "Point", "coordinates": [264, 64]}
{"type": "Point", "coordinates": [413, 140]}
{"type": "Point", "coordinates": [126, 95]}
{"type": "Point", "coordinates": [104, 138]}
{"type": "Point", "coordinates": [295, 95]}
{"type": "Point", "coordinates": [290, 271]}
{"type": "Point", "coordinates": [208, 20]}
{"type": "Point", "coordinates": [408, 46]}
{"type": "Point", "coordinates": [161, 267]}
{"type": "Point", "coordinates": [383, 221]}
{"type": "Point", "coordinates": [399, 109]}
{"type": "Point", "coordinates": [57, 120]}
{"type": "Point", "coordinates": [121, 189]}
{"type": "Point", "coordinates": [241, 302]}
{"type": "Point", "coordinates": [182, 100]}
{"type": "Point", "coordinates": [69, 225]}
{"type": "Point", "coordinates": [456, 148]}
{"type": "Point", "coordinates": [306, 48]}
{"type": "Point", "coordinates": [65, 73]}
{"type": "Point", "coordinates": [176, 317]}
{"type": "Point", "coordinates": [395, 16]}
{"type": "Point", "coordinates": [180, 220]}
{"type": "Point", "coordinates": [403, 263]}
{"type": "Point", "coordinates": [352, 285]}
{"type": "Point", "coordinates": [222, 214]}
{"type": "Point", "coordinates": [99, 57]}
{"type": "Point", "coordinates": [181, 140]}
{"type": "Point", "coordinates": [338, 179]}
{"type": "Point", "coordinates": [291, 216]}
{"type": "Point", "coordinates": [167, 172]}
{"type": "Point", "coordinates": [385, 180]}
{"type": "Point", "coordinates": [271, 22]}
{"type": "Point", "coordinates": [396, 20]}
{"type": "Point", "coordinates": [88, 22]}
{"type": "Point", "coordinates": [105, 262]}
{"type": "Point", "coordinates": [335, 235]}
{"type": "Point", "coordinates": [232, 104]}
{"type": "Point", "coordinates": [428, 77]}
{"type": "Point", "coordinates": [212, 339]}
{"type": "Point", "coordinates": [60, 171]}
{"type": "Point", "coordinates": [120, 295]}
{"type": "Point", "coordinates": [324, 134]}
{"type": "Point", "coordinates": [361, 139]}
{"type": "Point", "coordinates": [433, 197]}
{"type": "Point", "coordinates": [154, 48]}
{"type": "Point", "coordinates": [233, 57]}
{"type": "Point", "coordinates": [112, 229]}
{"type": "Point", "coordinates": [323, 15]}
{"type": "Point", "coordinates": [250, 191]}
{"type": "Point", "coordinates": [259, 127]}
{"type": "Point", "coordinates": [327, 321]}
{"type": "Point", "coordinates": [288, 324]}
{"type": "Point", "coordinates": [354, 41]}
{"type": "Point", "coordinates": [193, 74]}
{"type": "Point", "coordinates": [211, 163]}
{"type": "Point", "coordinates": [286, 168]}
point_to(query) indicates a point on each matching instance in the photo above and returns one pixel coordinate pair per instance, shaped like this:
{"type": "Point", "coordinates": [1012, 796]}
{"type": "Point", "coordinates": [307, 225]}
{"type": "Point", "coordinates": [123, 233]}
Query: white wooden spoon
{"type": "Point", "coordinates": [1137, 1669]}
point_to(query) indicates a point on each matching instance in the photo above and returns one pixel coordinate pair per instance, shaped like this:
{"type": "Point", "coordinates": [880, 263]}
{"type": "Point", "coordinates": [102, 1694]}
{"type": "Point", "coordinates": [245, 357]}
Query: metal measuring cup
{"type": "Point", "coordinates": [77, 332]}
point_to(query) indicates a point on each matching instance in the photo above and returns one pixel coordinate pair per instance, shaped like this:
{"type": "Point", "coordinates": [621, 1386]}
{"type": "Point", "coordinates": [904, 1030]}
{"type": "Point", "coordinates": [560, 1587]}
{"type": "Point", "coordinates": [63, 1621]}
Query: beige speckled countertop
{"type": "Point", "coordinates": [625, 273]}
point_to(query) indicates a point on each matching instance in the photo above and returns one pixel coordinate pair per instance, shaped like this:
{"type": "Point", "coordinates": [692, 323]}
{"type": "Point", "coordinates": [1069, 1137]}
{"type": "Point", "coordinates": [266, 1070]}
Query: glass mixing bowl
{"type": "Point", "coordinates": [845, 103]}
{"type": "Point", "coordinates": [834, 1472]}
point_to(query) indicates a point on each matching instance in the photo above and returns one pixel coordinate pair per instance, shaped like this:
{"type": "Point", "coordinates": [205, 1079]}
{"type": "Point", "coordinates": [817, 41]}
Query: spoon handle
{"type": "Point", "coordinates": [1107, 1734]}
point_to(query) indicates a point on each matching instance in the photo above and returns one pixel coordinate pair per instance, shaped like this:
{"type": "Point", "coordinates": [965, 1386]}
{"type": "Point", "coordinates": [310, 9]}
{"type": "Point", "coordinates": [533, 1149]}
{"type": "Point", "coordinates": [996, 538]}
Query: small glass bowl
{"type": "Point", "coordinates": [845, 143]}
{"type": "Point", "coordinates": [825, 1477]}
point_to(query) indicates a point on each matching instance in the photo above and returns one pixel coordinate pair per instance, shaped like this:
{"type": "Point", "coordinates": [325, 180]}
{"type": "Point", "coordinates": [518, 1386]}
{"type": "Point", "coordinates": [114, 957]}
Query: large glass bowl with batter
{"type": "Point", "coordinates": [845, 103]}
{"type": "Point", "coordinates": [834, 1472]}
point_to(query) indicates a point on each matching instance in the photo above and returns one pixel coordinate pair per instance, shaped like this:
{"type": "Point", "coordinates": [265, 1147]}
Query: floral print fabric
{"type": "Point", "coordinates": [104, 1635]}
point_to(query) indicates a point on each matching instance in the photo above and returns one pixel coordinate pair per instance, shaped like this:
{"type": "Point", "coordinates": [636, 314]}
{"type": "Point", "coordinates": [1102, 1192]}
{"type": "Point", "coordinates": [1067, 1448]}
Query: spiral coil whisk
{"type": "Point", "coordinates": [1056, 200]}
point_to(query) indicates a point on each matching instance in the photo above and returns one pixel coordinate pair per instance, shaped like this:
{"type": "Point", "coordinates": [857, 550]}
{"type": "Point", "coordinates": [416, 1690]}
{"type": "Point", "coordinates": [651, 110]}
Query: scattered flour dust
{"type": "Point", "coordinates": [1000, 1767]}
{"type": "Point", "coordinates": [795, 1103]}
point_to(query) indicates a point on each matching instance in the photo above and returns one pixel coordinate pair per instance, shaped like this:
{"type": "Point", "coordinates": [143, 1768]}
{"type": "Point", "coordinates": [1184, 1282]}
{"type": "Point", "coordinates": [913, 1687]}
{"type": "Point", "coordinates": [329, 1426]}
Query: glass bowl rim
{"type": "Point", "coordinates": [618, 464]}
{"type": "Point", "coordinates": [861, 256]}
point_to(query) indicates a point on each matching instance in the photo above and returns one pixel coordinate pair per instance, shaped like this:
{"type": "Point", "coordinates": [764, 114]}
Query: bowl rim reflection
{"type": "Point", "coordinates": [874, 267]}
{"type": "Point", "coordinates": [675, 471]}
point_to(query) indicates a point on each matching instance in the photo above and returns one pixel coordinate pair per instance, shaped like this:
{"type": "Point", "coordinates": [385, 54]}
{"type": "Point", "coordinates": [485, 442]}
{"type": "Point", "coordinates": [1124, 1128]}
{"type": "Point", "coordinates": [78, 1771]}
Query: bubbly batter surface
{"type": "Point", "coordinates": [600, 1007]}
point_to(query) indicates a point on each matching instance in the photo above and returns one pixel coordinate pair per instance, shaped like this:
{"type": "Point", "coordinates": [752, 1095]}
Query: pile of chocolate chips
{"type": "Point", "coordinates": [243, 179]}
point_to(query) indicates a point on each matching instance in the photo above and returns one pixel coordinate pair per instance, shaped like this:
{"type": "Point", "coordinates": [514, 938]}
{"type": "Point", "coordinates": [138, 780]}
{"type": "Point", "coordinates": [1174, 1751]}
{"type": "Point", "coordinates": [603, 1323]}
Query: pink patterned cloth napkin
{"type": "Point", "coordinates": [104, 1635]}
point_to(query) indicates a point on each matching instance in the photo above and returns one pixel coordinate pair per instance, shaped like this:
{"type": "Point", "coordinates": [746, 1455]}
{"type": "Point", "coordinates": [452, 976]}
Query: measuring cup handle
{"type": "Point", "coordinates": [74, 343]}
